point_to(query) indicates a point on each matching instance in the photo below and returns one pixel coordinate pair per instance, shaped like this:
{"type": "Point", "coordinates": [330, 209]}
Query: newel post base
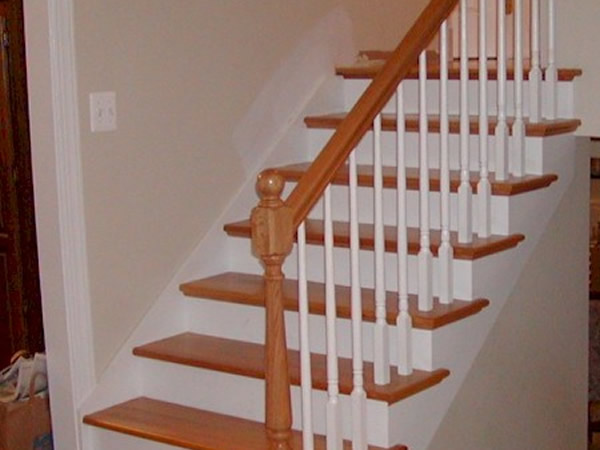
{"type": "Point", "coordinates": [272, 241]}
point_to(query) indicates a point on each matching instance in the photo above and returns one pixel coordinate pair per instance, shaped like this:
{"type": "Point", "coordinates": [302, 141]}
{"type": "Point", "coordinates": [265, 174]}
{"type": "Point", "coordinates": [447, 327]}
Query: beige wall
{"type": "Point", "coordinates": [577, 46]}
{"type": "Point", "coordinates": [527, 389]}
{"type": "Point", "coordinates": [185, 72]}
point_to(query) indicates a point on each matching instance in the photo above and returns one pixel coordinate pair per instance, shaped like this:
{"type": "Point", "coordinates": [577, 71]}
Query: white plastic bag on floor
{"type": "Point", "coordinates": [15, 379]}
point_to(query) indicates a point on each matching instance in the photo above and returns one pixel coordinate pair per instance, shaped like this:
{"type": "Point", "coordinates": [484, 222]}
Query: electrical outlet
{"type": "Point", "coordinates": [103, 111]}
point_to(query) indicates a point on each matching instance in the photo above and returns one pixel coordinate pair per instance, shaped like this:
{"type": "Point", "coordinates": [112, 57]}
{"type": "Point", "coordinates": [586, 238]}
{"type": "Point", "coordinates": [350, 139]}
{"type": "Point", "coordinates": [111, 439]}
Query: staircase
{"type": "Point", "coordinates": [400, 353]}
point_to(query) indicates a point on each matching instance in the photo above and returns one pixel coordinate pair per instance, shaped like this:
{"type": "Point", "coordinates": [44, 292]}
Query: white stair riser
{"type": "Point", "coordinates": [340, 208]}
{"type": "Point", "coordinates": [110, 440]}
{"type": "Point", "coordinates": [364, 153]}
{"type": "Point", "coordinates": [247, 323]}
{"type": "Point", "coordinates": [244, 397]}
{"type": "Point", "coordinates": [550, 155]}
{"type": "Point", "coordinates": [353, 89]}
{"type": "Point", "coordinates": [242, 261]}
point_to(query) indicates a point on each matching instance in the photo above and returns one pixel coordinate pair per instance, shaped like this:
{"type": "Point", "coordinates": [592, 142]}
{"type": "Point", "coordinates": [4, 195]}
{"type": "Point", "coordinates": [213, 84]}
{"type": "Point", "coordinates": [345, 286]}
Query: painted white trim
{"type": "Point", "coordinates": [68, 329]}
{"type": "Point", "coordinates": [70, 193]}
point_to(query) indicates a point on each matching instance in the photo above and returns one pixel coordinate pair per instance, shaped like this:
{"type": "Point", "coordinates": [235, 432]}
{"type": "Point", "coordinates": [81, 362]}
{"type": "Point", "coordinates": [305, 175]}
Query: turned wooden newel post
{"type": "Point", "coordinates": [272, 241]}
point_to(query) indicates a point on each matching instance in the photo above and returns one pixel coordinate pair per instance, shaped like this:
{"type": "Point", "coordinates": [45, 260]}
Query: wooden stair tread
{"type": "Point", "coordinates": [191, 428]}
{"type": "Point", "coordinates": [388, 123]}
{"type": "Point", "coordinates": [479, 248]}
{"type": "Point", "coordinates": [248, 289]}
{"type": "Point", "coordinates": [248, 359]}
{"type": "Point", "coordinates": [371, 67]}
{"type": "Point", "coordinates": [511, 186]}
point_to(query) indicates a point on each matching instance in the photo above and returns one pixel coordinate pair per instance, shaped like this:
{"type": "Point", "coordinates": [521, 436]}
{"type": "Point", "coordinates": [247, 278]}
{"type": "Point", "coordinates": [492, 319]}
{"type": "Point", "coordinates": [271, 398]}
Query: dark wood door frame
{"type": "Point", "coordinates": [24, 289]}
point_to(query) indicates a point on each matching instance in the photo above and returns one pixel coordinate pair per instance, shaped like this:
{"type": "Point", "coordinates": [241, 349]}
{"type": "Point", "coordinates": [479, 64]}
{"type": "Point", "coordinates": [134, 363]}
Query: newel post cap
{"type": "Point", "coordinates": [271, 220]}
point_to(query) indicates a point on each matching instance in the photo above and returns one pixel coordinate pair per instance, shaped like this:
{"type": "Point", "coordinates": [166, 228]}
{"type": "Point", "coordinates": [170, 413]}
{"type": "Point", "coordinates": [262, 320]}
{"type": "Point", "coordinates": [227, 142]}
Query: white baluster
{"type": "Point", "coordinates": [484, 189]}
{"type": "Point", "coordinates": [445, 252]}
{"type": "Point", "coordinates": [518, 128]}
{"type": "Point", "coordinates": [334, 417]}
{"type": "Point", "coordinates": [358, 396]}
{"type": "Point", "coordinates": [381, 350]}
{"type": "Point", "coordinates": [403, 321]}
{"type": "Point", "coordinates": [535, 75]}
{"type": "Point", "coordinates": [465, 192]}
{"type": "Point", "coordinates": [425, 256]}
{"type": "Point", "coordinates": [551, 70]}
{"type": "Point", "coordinates": [305, 366]}
{"type": "Point", "coordinates": [501, 132]}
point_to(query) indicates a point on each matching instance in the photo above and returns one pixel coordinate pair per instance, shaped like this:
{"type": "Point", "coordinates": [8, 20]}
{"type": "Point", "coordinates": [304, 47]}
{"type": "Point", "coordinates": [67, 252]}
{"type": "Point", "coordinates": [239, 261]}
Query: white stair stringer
{"type": "Point", "coordinates": [456, 346]}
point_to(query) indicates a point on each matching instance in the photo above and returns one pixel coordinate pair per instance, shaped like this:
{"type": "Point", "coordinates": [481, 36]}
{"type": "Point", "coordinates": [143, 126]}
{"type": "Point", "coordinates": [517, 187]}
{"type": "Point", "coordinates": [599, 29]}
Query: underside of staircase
{"type": "Point", "coordinates": [239, 294]}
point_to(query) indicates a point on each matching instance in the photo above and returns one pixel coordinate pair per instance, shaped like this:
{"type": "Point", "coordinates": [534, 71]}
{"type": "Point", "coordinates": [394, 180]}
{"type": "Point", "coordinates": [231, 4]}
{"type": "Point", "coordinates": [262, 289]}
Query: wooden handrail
{"type": "Point", "coordinates": [358, 121]}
